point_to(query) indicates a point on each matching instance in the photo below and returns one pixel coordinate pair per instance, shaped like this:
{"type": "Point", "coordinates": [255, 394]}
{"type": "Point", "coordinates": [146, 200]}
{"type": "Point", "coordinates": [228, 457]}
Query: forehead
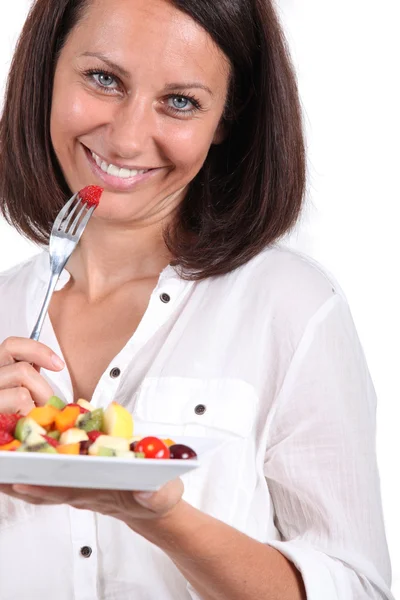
{"type": "Point", "coordinates": [152, 35]}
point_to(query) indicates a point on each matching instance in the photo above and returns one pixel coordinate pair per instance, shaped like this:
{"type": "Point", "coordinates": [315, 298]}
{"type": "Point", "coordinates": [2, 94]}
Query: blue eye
{"type": "Point", "coordinates": [186, 105]}
{"type": "Point", "coordinates": [104, 79]}
{"type": "Point", "coordinates": [180, 102]}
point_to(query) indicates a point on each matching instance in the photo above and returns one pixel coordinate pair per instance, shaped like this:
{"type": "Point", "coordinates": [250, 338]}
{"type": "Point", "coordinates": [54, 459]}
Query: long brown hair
{"type": "Point", "coordinates": [250, 189]}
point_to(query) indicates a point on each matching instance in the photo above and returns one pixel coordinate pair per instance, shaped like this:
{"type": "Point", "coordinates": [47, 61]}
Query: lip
{"type": "Point", "coordinates": [116, 183]}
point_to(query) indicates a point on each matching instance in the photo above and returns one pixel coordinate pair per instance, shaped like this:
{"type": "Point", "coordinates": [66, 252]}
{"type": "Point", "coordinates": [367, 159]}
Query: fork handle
{"type": "Point", "coordinates": [43, 311]}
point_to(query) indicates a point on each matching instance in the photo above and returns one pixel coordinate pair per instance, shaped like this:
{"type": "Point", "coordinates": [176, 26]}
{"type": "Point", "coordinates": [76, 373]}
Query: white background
{"type": "Point", "coordinates": [347, 54]}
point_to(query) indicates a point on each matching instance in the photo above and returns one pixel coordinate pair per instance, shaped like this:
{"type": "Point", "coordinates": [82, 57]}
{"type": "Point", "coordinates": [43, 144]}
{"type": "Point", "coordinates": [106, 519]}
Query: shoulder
{"type": "Point", "coordinates": [283, 270]}
{"type": "Point", "coordinates": [289, 285]}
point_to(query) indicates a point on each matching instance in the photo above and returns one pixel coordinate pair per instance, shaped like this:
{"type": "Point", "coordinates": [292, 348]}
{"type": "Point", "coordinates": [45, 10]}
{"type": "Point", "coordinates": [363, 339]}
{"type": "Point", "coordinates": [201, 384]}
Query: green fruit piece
{"type": "Point", "coordinates": [91, 421]}
{"type": "Point", "coordinates": [54, 434]}
{"type": "Point", "coordinates": [56, 402]}
{"type": "Point", "coordinates": [47, 449]}
{"type": "Point", "coordinates": [41, 447]}
{"type": "Point", "coordinates": [105, 452]}
{"type": "Point", "coordinates": [25, 427]}
{"type": "Point", "coordinates": [140, 455]}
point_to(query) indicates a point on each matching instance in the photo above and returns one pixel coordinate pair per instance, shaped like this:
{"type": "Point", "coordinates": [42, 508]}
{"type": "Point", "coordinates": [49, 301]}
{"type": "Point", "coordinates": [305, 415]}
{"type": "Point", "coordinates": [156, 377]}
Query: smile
{"type": "Point", "coordinates": [111, 169]}
{"type": "Point", "coordinates": [117, 178]}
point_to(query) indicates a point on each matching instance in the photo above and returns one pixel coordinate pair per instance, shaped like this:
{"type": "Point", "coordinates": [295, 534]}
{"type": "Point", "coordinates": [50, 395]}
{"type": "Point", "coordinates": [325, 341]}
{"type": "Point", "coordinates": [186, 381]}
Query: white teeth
{"type": "Point", "coordinates": [112, 170]}
{"type": "Point", "coordinates": [116, 171]}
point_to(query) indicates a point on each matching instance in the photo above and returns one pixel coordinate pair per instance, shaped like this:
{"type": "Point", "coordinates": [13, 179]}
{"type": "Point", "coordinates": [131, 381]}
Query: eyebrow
{"type": "Point", "coordinates": [123, 73]}
{"type": "Point", "coordinates": [186, 85]}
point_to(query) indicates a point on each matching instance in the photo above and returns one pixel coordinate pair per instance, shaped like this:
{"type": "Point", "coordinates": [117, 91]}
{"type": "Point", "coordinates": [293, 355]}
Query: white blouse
{"type": "Point", "coordinates": [272, 353]}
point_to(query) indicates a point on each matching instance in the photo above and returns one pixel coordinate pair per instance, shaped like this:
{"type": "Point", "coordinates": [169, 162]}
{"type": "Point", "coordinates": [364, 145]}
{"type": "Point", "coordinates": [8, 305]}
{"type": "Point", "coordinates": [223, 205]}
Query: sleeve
{"type": "Point", "coordinates": [321, 466]}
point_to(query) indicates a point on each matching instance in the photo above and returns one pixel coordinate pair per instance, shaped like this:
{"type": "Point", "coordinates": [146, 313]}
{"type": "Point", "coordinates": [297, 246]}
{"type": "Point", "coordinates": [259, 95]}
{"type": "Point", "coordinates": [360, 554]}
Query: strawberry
{"type": "Point", "coordinates": [5, 438]}
{"type": "Point", "coordinates": [91, 195]}
{"type": "Point", "coordinates": [93, 435]}
{"type": "Point", "coordinates": [8, 422]}
{"type": "Point", "coordinates": [51, 441]}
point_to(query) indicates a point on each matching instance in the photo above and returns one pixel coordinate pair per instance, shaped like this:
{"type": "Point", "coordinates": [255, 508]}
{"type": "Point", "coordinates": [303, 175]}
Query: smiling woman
{"type": "Point", "coordinates": [179, 304]}
{"type": "Point", "coordinates": [123, 107]}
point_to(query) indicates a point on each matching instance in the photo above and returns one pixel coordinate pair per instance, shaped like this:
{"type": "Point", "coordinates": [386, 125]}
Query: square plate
{"type": "Point", "coordinates": [100, 472]}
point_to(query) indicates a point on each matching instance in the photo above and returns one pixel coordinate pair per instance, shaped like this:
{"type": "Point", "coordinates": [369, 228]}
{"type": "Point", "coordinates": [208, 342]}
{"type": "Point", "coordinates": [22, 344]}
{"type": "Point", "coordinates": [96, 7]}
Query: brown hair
{"type": "Point", "coordinates": [250, 189]}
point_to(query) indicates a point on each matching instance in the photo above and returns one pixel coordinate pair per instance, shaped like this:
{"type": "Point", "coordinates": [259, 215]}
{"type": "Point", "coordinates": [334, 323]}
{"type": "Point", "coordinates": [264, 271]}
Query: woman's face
{"type": "Point", "coordinates": [138, 96]}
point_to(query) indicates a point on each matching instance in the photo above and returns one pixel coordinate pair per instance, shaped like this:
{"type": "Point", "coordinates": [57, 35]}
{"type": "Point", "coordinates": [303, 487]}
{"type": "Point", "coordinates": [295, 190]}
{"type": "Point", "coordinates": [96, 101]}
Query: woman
{"type": "Point", "coordinates": [179, 304]}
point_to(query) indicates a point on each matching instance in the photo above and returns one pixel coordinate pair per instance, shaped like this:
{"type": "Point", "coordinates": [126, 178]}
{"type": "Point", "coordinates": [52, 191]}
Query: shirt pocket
{"type": "Point", "coordinates": [218, 408]}
{"type": "Point", "coordinates": [181, 406]}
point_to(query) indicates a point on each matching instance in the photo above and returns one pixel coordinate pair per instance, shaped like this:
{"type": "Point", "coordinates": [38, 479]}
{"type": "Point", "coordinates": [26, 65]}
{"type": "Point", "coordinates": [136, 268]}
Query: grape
{"type": "Point", "coordinates": [182, 452]}
{"type": "Point", "coordinates": [84, 447]}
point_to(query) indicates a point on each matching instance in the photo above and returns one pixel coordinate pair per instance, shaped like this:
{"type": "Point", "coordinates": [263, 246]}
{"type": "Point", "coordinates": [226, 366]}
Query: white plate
{"type": "Point", "coordinates": [100, 472]}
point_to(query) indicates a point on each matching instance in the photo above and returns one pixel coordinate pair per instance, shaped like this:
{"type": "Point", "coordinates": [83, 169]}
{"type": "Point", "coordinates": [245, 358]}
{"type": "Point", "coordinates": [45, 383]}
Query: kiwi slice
{"type": "Point", "coordinates": [26, 427]}
{"type": "Point", "coordinates": [91, 421]}
{"type": "Point", "coordinates": [56, 402]}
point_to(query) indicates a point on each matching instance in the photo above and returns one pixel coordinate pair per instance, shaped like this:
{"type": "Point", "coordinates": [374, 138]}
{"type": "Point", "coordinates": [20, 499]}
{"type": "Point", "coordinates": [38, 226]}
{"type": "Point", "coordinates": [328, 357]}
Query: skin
{"type": "Point", "coordinates": [122, 253]}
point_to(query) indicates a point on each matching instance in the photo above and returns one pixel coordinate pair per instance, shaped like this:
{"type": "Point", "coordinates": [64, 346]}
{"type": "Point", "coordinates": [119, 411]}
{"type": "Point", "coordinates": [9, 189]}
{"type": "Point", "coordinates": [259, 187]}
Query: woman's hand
{"type": "Point", "coordinates": [126, 506]}
{"type": "Point", "coordinates": [21, 385]}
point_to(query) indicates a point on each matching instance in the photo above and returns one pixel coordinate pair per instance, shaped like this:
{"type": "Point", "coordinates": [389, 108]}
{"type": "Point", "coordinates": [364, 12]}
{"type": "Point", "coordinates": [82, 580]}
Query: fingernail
{"type": "Point", "coordinates": [57, 362]}
{"type": "Point", "coordinates": [143, 497]}
{"type": "Point", "coordinates": [22, 489]}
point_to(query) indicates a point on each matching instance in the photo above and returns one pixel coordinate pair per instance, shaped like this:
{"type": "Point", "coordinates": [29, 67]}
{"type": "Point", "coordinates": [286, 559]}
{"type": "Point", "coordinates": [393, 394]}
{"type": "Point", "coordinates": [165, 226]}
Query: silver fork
{"type": "Point", "coordinates": [64, 238]}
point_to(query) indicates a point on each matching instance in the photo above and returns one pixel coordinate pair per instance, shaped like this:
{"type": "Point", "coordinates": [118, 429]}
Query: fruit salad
{"type": "Point", "coordinates": [79, 428]}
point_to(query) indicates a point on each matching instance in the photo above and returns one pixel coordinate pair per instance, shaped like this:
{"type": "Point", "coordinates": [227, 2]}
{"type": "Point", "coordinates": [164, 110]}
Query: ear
{"type": "Point", "coordinates": [220, 133]}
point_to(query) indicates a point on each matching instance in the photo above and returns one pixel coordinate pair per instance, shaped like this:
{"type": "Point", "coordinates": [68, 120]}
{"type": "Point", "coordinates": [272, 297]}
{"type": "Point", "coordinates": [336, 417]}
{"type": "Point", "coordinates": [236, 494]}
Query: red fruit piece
{"type": "Point", "coordinates": [84, 447]}
{"type": "Point", "coordinates": [5, 438]}
{"type": "Point", "coordinates": [93, 435]}
{"type": "Point", "coordinates": [152, 447]}
{"type": "Point", "coordinates": [51, 441]}
{"type": "Point", "coordinates": [91, 195]}
{"type": "Point", "coordinates": [8, 422]}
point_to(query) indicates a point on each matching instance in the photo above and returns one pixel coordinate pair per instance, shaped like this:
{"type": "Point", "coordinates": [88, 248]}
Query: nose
{"type": "Point", "coordinates": [131, 129]}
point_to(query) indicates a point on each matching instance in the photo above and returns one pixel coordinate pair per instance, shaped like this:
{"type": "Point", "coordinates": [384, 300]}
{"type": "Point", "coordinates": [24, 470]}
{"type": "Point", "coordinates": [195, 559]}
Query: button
{"type": "Point", "coordinates": [165, 298]}
{"type": "Point", "coordinates": [200, 409]}
{"type": "Point", "coordinates": [114, 373]}
{"type": "Point", "coordinates": [86, 551]}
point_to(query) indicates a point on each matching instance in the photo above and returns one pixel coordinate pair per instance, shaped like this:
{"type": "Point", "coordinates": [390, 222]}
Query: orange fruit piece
{"type": "Point", "coordinates": [168, 442]}
{"type": "Point", "coordinates": [11, 445]}
{"type": "Point", "coordinates": [66, 418]}
{"type": "Point", "coordinates": [69, 448]}
{"type": "Point", "coordinates": [44, 415]}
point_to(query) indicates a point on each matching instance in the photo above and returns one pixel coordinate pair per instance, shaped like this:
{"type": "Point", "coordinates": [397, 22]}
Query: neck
{"type": "Point", "coordinates": [110, 256]}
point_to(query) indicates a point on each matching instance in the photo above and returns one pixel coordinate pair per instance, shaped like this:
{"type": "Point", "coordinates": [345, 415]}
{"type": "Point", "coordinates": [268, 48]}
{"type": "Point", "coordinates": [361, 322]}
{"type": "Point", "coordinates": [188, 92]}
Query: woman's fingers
{"type": "Point", "coordinates": [23, 375]}
{"type": "Point", "coordinates": [15, 349]}
{"type": "Point", "coordinates": [21, 384]}
{"type": "Point", "coordinates": [16, 400]}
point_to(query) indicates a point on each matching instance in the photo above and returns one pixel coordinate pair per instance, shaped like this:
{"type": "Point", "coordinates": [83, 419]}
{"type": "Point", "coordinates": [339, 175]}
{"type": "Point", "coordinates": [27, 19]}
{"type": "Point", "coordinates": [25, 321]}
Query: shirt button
{"type": "Point", "coordinates": [165, 298]}
{"type": "Point", "coordinates": [200, 409]}
{"type": "Point", "coordinates": [114, 373]}
{"type": "Point", "coordinates": [86, 551]}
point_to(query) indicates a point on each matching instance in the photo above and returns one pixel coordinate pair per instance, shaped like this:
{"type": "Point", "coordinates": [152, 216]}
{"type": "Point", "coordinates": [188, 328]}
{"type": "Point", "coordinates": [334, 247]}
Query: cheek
{"type": "Point", "coordinates": [188, 146]}
{"type": "Point", "coordinates": [71, 116]}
